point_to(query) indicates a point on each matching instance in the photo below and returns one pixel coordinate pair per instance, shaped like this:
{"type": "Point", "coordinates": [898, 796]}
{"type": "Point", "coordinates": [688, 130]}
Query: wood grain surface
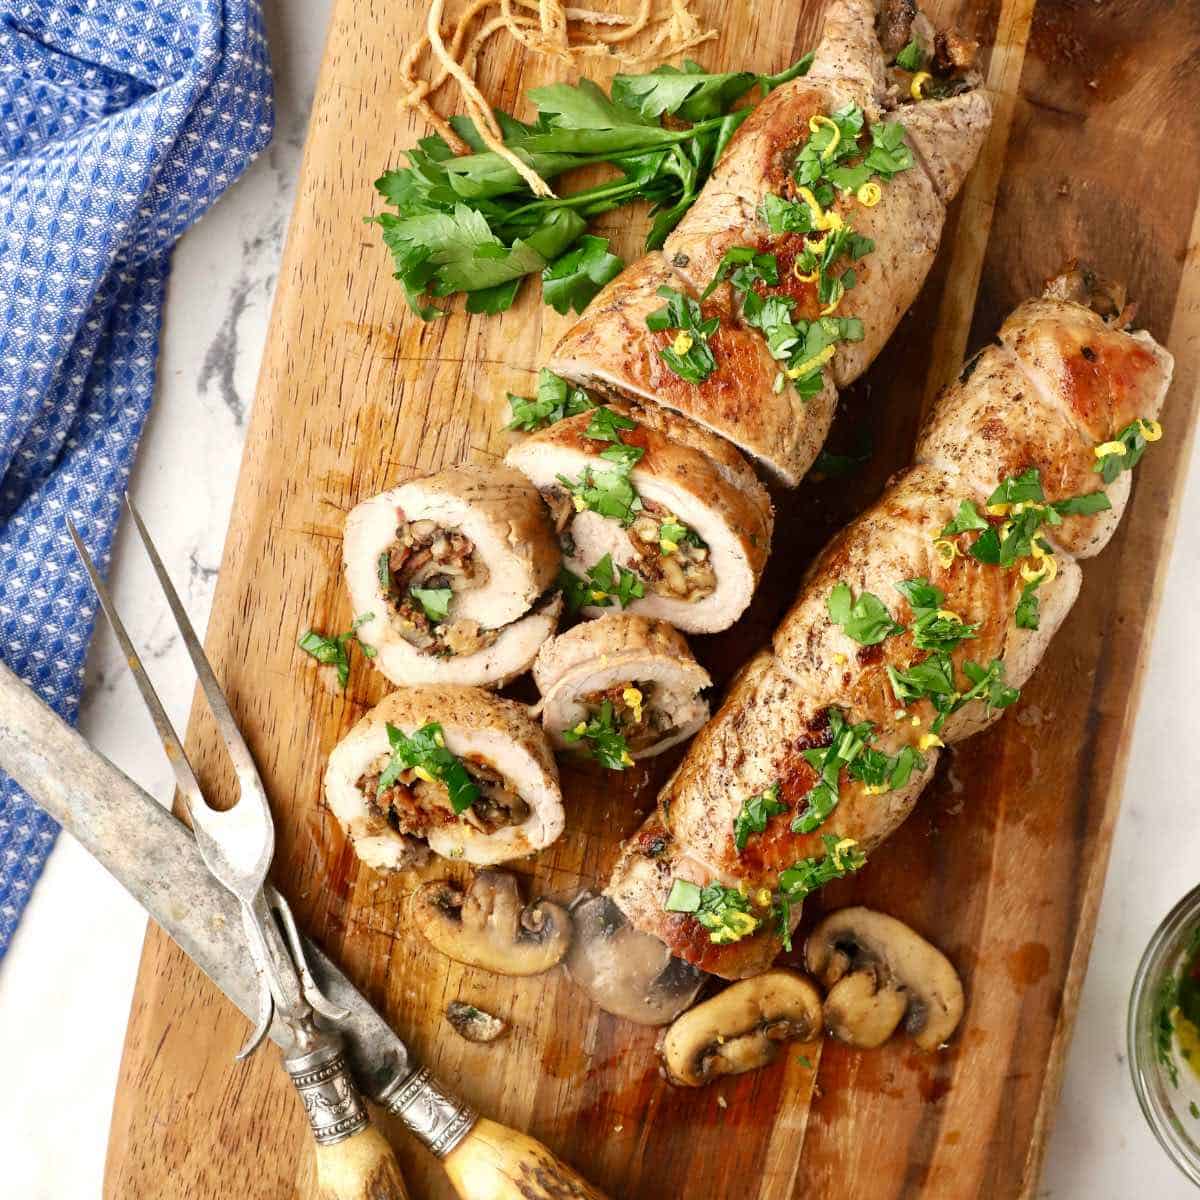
{"type": "Point", "coordinates": [1095, 153]}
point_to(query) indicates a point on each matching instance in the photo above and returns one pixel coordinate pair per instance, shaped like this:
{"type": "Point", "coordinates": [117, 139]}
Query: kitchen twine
{"type": "Point", "coordinates": [121, 121]}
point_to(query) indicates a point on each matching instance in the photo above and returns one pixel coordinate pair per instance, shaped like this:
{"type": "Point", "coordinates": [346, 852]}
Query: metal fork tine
{"type": "Point", "coordinates": [185, 777]}
{"type": "Point", "coordinates": [243, 761]}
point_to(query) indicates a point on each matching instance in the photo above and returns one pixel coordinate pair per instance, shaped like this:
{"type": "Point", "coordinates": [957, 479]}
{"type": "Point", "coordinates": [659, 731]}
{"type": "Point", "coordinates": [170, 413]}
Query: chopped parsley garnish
{"type": "Point", "coordinates": [807, 875]}
{"type": "Point", "coordinates": [912, 57]}
{"type": "Point", "coordinates": [556, 400]}
{"type": "Point", "coordinates": [672, 532]}
{"type": "Point", "coordinates": [689, 355]}
{"type": "Point", "coordinates": [1021, 501]}
{"type": "Point", "coordinates": [425, 754]}
{"type": "Point", "coordinates": [606, 425]}
{"type": "Point", "coordinates": [1164, 1027]}
{"type": "Point", "coordinates": [573, 279]}
{"type": "Point", "coordinates": [933, 627]}
{"type": "Point", "coordinates": [865, 620]}
{"type": "Point", "coordinates": [825, 158]}
{"type": "Point", "coordinates": [744, 266]}
{"type": "Point", "coordinates": [755, 812]}
{"type": "Point", "coordinates": [435, 602]}
{"type": "Point", "coordinates": [932, 679]}
{"type": "Point", "coordinates": [966, 519]}
{"type": "Point", "coordinates": [1028, 611]}
{"type": "Point", "coordinates": [1124, 452]}
{"type": "Point", "coordinates": [605, 741]}
{"type": "Point", "coordinates": [850, 747]}
{"type": "Point", "coordinates": [723, 911]}
{"type": "Point", "coordinates": [609, 493]}
{"type": "Point", "coordinates": [335, 651]}
{"type": "Point", "coordinates": [604, 584]}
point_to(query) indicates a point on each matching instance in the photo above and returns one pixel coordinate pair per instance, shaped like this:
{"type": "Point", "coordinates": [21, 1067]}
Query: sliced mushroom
{"type": "Point", "coordinates": [473, 1023]}
{"type": "Point", "coordinates": [878, 972]}
{"type": "Point", "coordinates": [487, 927]}
{"type": "Point", "coordinates": [741, 1028]}
{"type": "Point", "coordinates": [626, 972]}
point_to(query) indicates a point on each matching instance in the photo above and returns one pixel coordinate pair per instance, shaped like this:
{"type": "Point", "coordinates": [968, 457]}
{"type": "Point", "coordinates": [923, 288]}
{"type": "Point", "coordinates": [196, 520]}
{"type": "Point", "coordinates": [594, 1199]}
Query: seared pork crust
{"type": "Point", "coordinates": [1061, 382]}
{"type": "Point", "coordinates": [610, 348]}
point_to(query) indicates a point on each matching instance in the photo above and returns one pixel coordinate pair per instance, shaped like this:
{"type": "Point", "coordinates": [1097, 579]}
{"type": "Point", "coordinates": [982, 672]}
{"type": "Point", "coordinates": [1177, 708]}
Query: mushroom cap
{"type": "Point", "coordinates": [861, 1011]}
{"type": "Point", "coordinates": [861, 940]}
{"type": "Point", "coordinates": [473, 1023]}
{"type": "Point", "coordinates": [741, 1028]}
{"type": "Point", "coordinates": [487, 927]}
{"type": "Point", "coordinates": [625, 971]}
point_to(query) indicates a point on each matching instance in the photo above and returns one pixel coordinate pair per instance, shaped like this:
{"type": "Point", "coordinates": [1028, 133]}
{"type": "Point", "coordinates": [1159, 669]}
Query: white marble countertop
{"type": "Point", "coordinates": [66, 983]}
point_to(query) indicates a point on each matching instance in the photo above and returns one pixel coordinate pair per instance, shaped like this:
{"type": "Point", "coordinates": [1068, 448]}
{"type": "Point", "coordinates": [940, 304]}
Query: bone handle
{"type": "Point", "coordinates": [354, 1161]}
{"type": "Point", "coordinates": [484, 1161]}
{"type": "Point", "coordinates": [496, 1163]}
{"type": "Point", "coordinates": [362, 1167]}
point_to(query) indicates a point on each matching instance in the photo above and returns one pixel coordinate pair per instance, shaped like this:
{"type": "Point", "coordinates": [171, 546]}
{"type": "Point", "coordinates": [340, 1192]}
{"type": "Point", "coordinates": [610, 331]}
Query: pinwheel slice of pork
{"type": "Point", "coordinates": [453, 569]}
{"type": "Point", "coordinates": [389, 821]}
{"type": "Point", "coordinates": [644, 670]}
{"type": "Point", "coordinates": [696, 535]}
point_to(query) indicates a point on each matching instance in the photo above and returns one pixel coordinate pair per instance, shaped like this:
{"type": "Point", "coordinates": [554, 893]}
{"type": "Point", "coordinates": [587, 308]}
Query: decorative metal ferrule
{"type": "Point", "coordinates": [335, 1109]}
{"type": "Point", "coordinates": [436, 1117]}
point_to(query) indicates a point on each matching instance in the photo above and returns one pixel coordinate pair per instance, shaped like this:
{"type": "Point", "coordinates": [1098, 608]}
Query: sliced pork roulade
{"type": "Point", "coordinates": [454, 570]}
{"type": "Point", "coordinates": [915, 628]}
{"type": "Point", "coordinates": [647, 521]}
{"type": "Point", "coordinates": [805, 247]}
{"type": "Point", "coordinates": [620, 688]}
{"type": "Point", "coordinates": [456, 769]}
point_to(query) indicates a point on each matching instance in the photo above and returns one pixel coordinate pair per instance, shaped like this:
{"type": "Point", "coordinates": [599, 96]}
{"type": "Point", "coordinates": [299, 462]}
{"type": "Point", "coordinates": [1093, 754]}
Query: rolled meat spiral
{"type": "Point", "coordinates": [746, 399]}
{"type": "Point", "coordinates": [645, 672]}
{"type": "Point", "coordinates": [699, 529]}
{"type": "Point", "coordinates": [518, 806]}
{"type": "Point", "coordinates": [1064, 391]}
{"type": "Point", "coordinates": [453, 569]}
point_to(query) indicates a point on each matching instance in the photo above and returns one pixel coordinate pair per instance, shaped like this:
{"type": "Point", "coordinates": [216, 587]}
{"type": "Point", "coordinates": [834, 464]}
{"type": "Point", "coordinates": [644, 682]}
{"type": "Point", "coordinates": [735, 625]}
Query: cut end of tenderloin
{"type": "Point", "coordinates": [878, 973]}
{"type": "Point", "coordinates": [643, 669]}
{"type": "Point", "coordinates": [486, 926]}
{"type": "Point", "coordinates": [446, 573]}
{"type": "Point", "coordinates": [741, 1028]}
{"type": "Point", "coordinates": [624, 971]}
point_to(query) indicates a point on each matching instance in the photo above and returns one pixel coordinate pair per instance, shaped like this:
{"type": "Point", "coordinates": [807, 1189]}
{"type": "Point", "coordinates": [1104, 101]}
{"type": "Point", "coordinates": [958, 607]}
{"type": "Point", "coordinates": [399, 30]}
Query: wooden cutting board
{"type": "Point", "coordinates": [1095, 152]}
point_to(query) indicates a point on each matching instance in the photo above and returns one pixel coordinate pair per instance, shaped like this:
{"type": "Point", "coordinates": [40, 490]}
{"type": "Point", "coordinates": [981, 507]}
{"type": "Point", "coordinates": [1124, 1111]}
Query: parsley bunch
{"type": "Point", "coordinates": [470, 223]}
{"type": "Point", "coordinates": [425, 753]}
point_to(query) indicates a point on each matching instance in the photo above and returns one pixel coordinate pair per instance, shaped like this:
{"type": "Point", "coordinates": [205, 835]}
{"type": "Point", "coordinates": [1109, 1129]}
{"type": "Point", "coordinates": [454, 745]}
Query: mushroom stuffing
{"type": "Point", "coordinates": [619, 689]}
{"type": "Point", "coordinates": [451, 575]}
{"type": "Point", "coordinates": [454, 769]}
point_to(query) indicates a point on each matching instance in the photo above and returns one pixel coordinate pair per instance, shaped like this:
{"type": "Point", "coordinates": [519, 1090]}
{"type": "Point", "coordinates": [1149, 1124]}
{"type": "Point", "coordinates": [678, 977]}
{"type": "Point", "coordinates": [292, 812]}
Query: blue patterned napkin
{"type": "Point", "coordinates": [120, 122]}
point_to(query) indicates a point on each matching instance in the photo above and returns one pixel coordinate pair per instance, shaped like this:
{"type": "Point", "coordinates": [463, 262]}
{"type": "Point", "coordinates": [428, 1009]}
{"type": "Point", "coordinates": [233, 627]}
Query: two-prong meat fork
{"type": "Point", "coordinates": [237, 845]}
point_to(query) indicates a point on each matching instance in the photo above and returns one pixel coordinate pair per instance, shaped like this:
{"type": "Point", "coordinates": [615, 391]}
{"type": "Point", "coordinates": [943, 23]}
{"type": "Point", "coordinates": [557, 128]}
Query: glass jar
{"type": "Point", "coordinates": [1167, 1085]}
